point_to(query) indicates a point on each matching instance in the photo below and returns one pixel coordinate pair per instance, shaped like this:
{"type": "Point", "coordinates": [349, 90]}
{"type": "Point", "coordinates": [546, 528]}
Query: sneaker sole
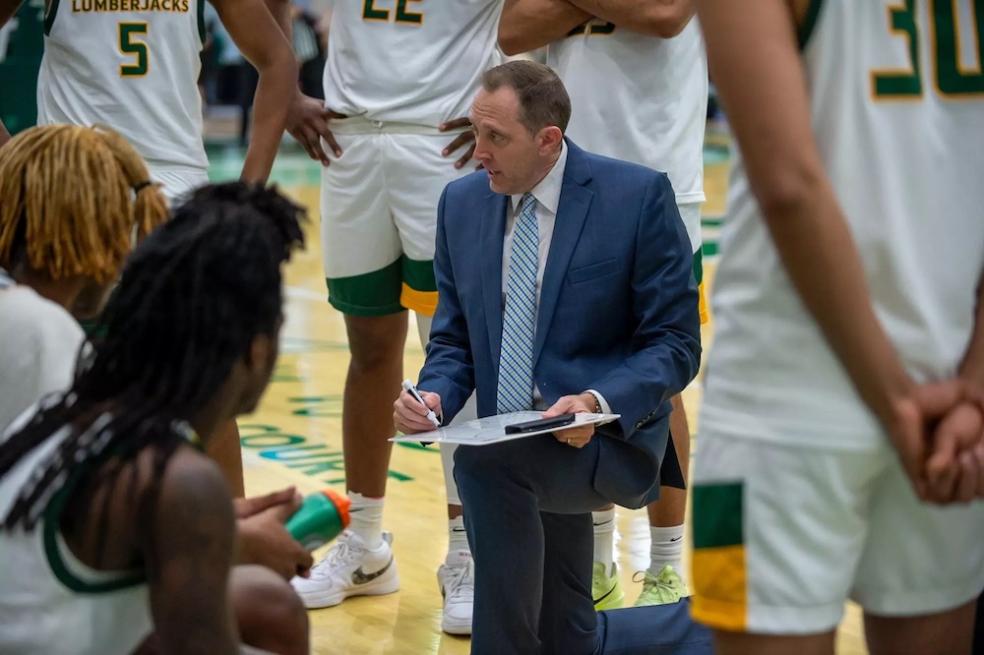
{"type": "Point", "coordinates": [456, 628]}
{"type": "Point", "coordinates": [379, 587]}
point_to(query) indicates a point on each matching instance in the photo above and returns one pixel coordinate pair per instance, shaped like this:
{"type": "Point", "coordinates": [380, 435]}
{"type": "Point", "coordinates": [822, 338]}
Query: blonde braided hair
{"type": "Point", "coordinates": [70, 197]}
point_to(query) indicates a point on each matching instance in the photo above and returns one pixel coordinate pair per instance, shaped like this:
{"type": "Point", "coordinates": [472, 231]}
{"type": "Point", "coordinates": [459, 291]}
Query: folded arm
{"type": "Point", "coordinates": [448, 370]}
{"type": "Point", "coordinates": [666, 342]}
{"type": "Point", "coordinates": [662, 18]}
{"type": "Point", "coordinates": [530, 24]}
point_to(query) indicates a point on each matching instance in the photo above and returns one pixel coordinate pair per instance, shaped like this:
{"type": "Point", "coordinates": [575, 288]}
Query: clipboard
{"type": "Point", "coordinates": [492, 429]}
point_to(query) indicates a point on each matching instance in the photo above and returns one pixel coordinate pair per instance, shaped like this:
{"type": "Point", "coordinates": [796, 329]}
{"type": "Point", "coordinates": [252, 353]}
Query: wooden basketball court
{"type": "Point", "coordinates": [295, 439]}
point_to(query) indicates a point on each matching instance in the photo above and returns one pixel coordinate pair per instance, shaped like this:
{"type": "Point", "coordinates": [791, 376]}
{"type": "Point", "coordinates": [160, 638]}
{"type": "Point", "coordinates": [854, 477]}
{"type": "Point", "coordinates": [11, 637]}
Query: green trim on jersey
{"type": "Point", "coordinates": [699, 265]}
{"type": "Point", "coordinates": [371, 294]}
{"type": "Point", "coordinates": [52, 522]}
{"type": "Point", "coordinates": [49, 15]}
{"type": "Point", "coordinates": [718, 514]}
{"type": "Point", "coordinates": [809, 22]}
{"type": "Point", "coordinates": [202, 34]}
{"type": "Point", "coordinates": [61, 569]}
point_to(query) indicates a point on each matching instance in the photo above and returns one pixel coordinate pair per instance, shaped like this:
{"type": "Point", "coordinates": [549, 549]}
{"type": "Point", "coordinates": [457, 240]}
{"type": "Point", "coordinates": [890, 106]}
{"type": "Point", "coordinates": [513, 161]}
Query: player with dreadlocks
{"type": "Point", "coordinates": [69, 200]}
{"type": "Point", "coordinates": [115, 526]}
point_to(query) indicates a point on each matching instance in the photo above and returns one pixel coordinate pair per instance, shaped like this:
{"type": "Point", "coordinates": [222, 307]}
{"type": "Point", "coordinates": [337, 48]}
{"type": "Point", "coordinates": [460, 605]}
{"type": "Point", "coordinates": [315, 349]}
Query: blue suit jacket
{"type": "Point", "coordinates": [618, 308]}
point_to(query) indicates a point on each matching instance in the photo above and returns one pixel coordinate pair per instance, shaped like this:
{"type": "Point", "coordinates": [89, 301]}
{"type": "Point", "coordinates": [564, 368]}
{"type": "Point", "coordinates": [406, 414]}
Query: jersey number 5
{"type": "Point", "coordinates": [132, 45]}
{"type": "Point", "coordinates": [953, 79]}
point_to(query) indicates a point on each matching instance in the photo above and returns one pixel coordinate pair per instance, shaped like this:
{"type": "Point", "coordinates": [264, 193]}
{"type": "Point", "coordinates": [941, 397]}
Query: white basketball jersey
{"type": "Point", "coordinates": [132, 65]}
{"type": "Point", "coordinates": [409, 61]}
{"type": "Point", "coordinates": [50, 602]}
{"type": "Point", "coordinates": [897, 104]}
{"type": "Point", "coordinates": [638, 98]}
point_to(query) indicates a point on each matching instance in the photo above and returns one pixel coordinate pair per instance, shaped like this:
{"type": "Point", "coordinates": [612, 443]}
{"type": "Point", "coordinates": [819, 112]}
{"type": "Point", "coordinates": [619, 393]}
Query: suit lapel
{"type": "Point", "coordinates": [575, 199]}
{"type": "Point", "coordinates": [492, 234]}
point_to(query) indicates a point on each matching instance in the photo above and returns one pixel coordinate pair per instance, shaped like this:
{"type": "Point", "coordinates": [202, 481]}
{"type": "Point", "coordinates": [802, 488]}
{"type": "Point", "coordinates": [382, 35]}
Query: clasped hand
{"type": "Point", "coordinates": [938, 430]}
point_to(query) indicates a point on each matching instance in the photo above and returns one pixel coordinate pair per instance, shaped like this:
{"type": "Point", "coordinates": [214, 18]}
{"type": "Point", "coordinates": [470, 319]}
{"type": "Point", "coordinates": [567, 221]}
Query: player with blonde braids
{"type": "Point", "coordinates": [70, 199]}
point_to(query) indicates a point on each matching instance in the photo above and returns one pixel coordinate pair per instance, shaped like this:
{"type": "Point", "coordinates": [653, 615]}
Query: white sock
{"type": "Point", "coordinates": [458, 551]}
{"type": "Point", "coordinates": [604, 537]}
{"type": "Point", "coordinates": [666, 548]}
{"type": "Point", "coordinates": [367, 519]}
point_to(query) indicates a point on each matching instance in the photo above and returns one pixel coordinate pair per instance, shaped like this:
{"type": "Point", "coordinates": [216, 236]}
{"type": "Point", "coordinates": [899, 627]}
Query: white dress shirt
{"type": "Point", "coordinates": [547, 194]}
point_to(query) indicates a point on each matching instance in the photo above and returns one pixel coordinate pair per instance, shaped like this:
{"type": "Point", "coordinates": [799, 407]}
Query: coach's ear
{"type": "Point", "coordinates": [548, 139]}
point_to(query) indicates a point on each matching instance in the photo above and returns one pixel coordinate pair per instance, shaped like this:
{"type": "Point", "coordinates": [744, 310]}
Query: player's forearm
{"type": "Point", "coordinates": [662, 18]}
{"type": "Point", "coordinates": [530, 24]}
{"type": "Point", "coordinates": [264, 44]}
{"type": "Point", "coordinates": [972, 366]}
{"type": "Point", "coordinates": [765, 96]}
{"type": "Point", "coordinates": [824, 265]}
{"type": "Point", "coordinates": [277, 84]}
{"type": "Point", "coordinates": [280, 10]}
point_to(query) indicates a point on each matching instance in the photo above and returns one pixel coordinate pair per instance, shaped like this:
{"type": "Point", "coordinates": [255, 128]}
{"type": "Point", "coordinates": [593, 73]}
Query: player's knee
{"type": "Point", "coordinates": [269, 613]}
{"type": "Point", "coordinates": [376, 341]}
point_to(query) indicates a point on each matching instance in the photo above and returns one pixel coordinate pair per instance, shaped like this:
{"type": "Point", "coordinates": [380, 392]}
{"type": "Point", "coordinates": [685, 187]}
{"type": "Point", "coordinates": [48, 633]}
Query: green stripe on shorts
{"type": "Point", "coordinates": [419, 275]}
{"type": "Point", "coordinates": [370, 294]}
{"type": "Point", "coordinates": [718, 517]}
{"type": "Point", "coordinates": [699, 265]}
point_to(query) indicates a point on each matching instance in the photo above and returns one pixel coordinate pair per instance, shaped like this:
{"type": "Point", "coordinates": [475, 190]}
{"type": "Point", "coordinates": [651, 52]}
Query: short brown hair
{"type": "Point", "coordinates": [543, 100]}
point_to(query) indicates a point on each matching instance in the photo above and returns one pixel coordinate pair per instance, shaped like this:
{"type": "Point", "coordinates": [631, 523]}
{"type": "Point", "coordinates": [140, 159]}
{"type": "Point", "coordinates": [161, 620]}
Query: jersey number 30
{"type": "Point", "coordinates": [134, 47]}
{"type": "Point", "coordinates": [953, 79]}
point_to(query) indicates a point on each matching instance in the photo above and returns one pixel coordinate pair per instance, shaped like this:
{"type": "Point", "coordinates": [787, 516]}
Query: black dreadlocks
{"type": "Point", "coordinates": [191, 300]}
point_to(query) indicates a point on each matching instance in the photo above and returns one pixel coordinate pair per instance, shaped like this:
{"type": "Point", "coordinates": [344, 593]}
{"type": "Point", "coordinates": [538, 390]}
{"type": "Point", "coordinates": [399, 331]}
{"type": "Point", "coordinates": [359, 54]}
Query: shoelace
{"type": "Point", "coordinates": [657, 583]}
{"type": "Point", "coordinates": [461, 580]}
{"type": "Point", "coordinates": [337, 555]}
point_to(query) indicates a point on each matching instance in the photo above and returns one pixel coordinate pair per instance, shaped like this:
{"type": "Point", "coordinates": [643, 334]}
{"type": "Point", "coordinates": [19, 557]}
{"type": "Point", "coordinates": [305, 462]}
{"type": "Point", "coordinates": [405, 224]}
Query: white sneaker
{"type": "Point", "coordinates": [457, 583]}
{"type": "Point", "coordinates": [349, 569]}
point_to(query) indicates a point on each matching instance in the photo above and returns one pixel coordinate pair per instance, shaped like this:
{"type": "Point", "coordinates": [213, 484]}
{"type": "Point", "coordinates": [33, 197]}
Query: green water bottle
{"type": "Point", "coordinates": [321, 518]}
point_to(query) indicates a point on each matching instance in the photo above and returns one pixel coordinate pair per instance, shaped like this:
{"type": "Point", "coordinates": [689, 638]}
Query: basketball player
{"type": "Point", "coordinates": [849, 321]}
{"type": "Point", "coordinates": [134, 64]}
{"type": "Point", "coordinates": [61, 234]}
{"type": "Point", "coordinates": [116, 530]}
{"type": "Point", "coordinates": [397, 73]}
{"type": "Point", "coordinates": [637, 77]}
{"type": "Point", "coordinates": [72, 198]}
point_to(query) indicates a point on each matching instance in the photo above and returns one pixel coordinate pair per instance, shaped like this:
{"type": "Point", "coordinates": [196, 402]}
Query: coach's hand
{"type": "Point", "coordinates": [580, 436]}
{"type": "Point", "coordinates": [264, 540]}
{"type": "Point", "coordinates": [307, 122]}
{"type": "Point", "coordinates": [410, 417]}
{"type": "Point", "coordinates": [465, 138]}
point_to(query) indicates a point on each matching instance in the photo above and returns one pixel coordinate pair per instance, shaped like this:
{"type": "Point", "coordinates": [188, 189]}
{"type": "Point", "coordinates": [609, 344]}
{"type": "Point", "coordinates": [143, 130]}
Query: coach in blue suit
{"type": "Point", "coordinates": [566, 286]}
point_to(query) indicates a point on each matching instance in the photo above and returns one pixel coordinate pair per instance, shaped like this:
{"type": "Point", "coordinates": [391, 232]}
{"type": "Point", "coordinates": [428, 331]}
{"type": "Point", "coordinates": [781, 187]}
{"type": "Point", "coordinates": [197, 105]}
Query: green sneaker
{"type": "Point", "coordinates": [606, 589]}
{"type": "Point", "coordinates": [663, 589]}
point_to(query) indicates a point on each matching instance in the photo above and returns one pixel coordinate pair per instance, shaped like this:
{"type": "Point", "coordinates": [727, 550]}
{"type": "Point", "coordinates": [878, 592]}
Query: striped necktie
{"type": "Point", "coordinates": [515, 391]}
